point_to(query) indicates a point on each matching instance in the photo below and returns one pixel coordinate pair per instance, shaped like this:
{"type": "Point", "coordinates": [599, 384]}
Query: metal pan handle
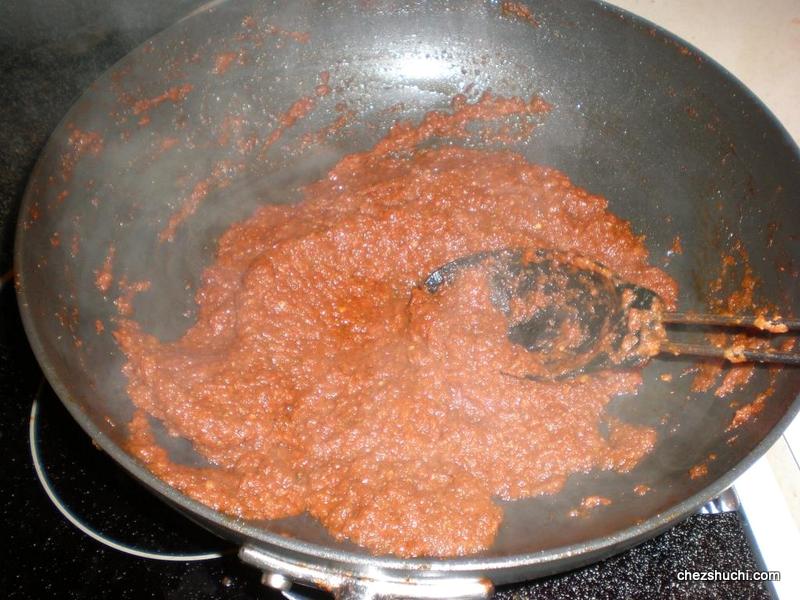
{"type": "Point", "coordinates": [281, 572]}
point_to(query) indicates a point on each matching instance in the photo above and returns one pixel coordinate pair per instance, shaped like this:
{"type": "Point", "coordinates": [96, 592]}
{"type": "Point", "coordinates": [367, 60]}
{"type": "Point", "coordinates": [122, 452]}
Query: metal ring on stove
{"type": "Point", "coordinates": [64, 510]}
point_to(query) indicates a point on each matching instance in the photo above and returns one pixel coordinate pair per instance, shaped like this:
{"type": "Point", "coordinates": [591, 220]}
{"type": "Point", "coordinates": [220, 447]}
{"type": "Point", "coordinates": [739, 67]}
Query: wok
{"type": "Point", "coordinates": [677, 145]}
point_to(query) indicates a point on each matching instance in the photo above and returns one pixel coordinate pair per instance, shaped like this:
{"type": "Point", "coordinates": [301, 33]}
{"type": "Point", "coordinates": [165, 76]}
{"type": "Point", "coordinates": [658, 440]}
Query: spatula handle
{"type": "Point", "coordinates": [772, 325]}
{"type": "Point", "coordinates": [732, 353]}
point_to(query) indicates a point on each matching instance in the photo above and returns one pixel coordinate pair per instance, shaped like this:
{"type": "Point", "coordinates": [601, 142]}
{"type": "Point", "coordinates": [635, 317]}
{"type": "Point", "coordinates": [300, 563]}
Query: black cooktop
{"type": "Point", "coordinates": [50, 51]}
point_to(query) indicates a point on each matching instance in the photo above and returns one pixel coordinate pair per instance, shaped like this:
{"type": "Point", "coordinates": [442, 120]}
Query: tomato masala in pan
{"type": "Point", "coordinates": [320, 378]}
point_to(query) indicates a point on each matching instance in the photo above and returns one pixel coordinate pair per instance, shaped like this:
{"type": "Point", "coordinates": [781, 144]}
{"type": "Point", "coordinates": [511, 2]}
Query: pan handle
{"type": "Point", "coordinates": [281, 571]}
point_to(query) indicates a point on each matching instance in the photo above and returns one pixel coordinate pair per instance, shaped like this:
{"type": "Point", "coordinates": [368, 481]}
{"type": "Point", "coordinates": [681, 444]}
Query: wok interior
{"type": "Point", "coordinates": [676, 146]}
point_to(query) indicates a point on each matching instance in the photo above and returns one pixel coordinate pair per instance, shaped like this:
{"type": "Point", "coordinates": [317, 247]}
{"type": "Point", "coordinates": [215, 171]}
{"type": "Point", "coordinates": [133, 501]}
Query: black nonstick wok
{"type": "Point", "coordinates": [677, 145]}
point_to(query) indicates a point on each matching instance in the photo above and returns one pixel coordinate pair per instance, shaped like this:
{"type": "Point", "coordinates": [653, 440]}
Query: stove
{"type": "Point", "coordinates": [77, 525]}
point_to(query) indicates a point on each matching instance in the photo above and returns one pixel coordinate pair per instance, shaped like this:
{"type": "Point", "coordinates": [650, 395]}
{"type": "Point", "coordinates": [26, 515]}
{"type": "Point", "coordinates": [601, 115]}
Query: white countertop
{"type": "Point", "coordinates": [759, 42]}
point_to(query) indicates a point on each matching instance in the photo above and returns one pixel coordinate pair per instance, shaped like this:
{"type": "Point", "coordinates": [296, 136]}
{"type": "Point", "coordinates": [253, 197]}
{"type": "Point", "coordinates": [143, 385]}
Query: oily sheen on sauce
{"type": "Point", "coordinates": [319, 378]}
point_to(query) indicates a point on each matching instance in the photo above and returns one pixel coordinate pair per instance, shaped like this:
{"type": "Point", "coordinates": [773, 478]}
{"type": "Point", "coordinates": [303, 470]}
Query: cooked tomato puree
{"type": "Point", "coordinates": [320, 378]}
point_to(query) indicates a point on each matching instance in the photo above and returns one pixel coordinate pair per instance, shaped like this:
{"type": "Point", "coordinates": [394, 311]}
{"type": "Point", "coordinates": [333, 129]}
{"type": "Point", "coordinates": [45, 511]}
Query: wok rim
{"type": "Point", "coordinates": [517, 567]}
